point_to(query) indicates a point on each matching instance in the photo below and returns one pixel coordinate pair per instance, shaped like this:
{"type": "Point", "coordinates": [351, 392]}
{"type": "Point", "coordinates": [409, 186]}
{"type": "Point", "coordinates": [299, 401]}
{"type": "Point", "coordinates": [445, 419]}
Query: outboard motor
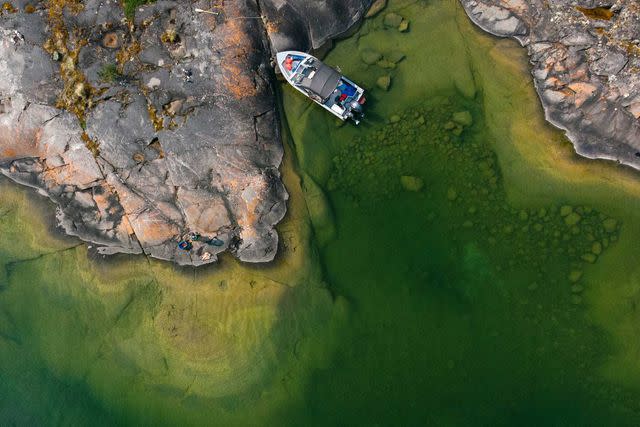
{"type": "Point", "coordinates": [356, 107]}
{"type": "Point", "coordinates": [356, 111]}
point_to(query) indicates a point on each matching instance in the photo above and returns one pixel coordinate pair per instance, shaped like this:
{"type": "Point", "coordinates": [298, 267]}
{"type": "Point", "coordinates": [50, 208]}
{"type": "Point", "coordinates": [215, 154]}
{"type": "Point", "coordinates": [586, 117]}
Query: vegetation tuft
{"type": "Point", "coordinates": [131, 5]}
{"type": "Point", "coordinates": [109, 73]}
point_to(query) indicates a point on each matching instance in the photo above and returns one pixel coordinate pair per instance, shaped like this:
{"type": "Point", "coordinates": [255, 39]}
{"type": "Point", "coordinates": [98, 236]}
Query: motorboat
{"type": "Point", "coordinates": [323, 84]}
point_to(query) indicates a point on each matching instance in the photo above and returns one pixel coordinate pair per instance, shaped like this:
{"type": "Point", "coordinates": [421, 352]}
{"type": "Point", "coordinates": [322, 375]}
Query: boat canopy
{"type": "Point", "coordinates": [323, 82]}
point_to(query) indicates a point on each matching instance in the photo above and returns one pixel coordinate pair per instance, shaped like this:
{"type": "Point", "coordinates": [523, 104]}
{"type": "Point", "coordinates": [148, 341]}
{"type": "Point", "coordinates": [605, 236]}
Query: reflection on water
{"type": "Point", "coordinates": [478, 272]}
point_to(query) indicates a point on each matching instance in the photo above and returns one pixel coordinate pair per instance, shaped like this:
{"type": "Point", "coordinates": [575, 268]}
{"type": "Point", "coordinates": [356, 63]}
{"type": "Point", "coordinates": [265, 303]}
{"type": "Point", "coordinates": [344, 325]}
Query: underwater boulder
{"type": "Point", "coordinates": [452, 194]}
{"type": "Point", "coordinates": [575, 275]}
{"type": "Point", "coordinates": [395, 56]}
{"type": "Point", "coordinates": [411, 183]}
{"type": "Point", "coordinates": [384, 82]}
{"type": "Point", "coordinates": [572, 219]}
{"type": "Point", "coordinates": [565, 210]}
{"type": "Point", "coordinates": [392, 20]}
{"type": "Point", "coordinates": [370, 56]}
{"type": "Point", "coordinates": [462, 118]}
{"type": "Point", "coordinates": [610, 225]}
{"type": "Point", "coordinates": [376, 7]}
{"type": "Point", "coordinates": [449, 125]}
{"type": "Point", "coordinates": [386, 64]}
{"type": "Point", "coordinates": [320, 210]}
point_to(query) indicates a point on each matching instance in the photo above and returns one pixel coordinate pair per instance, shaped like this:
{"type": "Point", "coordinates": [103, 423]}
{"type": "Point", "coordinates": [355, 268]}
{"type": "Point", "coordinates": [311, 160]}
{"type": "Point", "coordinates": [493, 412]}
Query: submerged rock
{"type": "Point", "coordinates": [383, 63]}
{"type": "Point", "coordinates": [572, 219]}
{"type": "Point", "coordinates": [463, 118]}
{"type": "Point", "coordinates": [370, 56]}
{"type": "Point", "coordinates": [392, 20]}
{"type": "Point", "coordinates": [610, 225]}
{"type": "Point", "coordinates": [566, 210]}
{"type": "Point", "coordinates": [404, 26]}
{"type": "Point", "coordinates": [320, 210]}
{"type": "Point", "coordinates": [575, 276]}
{"type": "Point", "coordinates": [395, 56]}
{"type": "Point", "coordinates": [376, 7]}
{"type": "Point", "coordinates": [411, 183]}
{"type": "Point", "coordinates": [384, 82]}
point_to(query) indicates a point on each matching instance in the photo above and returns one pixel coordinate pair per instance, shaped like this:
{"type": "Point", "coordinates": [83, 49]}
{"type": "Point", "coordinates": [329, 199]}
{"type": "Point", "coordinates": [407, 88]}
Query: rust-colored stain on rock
{"type": "Point", "coordinates": [600, 13]}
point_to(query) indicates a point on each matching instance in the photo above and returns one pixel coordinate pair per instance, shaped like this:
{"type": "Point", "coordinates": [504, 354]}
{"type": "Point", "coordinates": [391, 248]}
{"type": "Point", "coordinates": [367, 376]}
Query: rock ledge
{"type": "Point", "coordinates": [586, 66]}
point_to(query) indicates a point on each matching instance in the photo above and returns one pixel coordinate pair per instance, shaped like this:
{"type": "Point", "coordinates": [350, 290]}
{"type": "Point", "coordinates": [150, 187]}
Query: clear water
{"type": "Point", "coordinates": [502, 292]}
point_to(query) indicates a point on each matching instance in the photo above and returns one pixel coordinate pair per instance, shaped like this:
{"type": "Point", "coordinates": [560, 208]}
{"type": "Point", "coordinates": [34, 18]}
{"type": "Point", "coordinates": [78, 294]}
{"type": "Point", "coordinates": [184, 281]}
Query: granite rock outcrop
{"type": "Point", "coordinates": [152, 129]}
{"type": "Point", "coordinates": [585, 57]}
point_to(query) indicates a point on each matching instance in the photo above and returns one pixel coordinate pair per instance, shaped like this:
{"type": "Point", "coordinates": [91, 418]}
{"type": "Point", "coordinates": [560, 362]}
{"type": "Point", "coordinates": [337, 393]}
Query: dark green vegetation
{"type": "Point", "coordinates": [109, 73]}
{"type": "Point", "coordinates": [131, 5]}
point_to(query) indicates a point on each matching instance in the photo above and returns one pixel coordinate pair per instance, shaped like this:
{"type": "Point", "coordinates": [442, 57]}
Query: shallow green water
{"type": "Point", "coordinates": [495, 284]}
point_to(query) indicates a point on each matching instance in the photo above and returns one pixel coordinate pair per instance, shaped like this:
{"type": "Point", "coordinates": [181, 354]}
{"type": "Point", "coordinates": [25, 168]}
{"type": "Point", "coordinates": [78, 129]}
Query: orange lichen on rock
{"type": "Point", "coordinates": [600, 13]}
{"type": "Point", "coordinates": [8, 7]}
{"type": "Point", "coordinates": [104, 198]}
{"type": "Point", "coordinates": [128, 52]}
{"type": "Point", "coordinates": [204, 212]}
{"type": "Point", "coordinates": [235, 63]}
{"type": "Point", "coordinates": [8, 153]}
{"type": "Point", "coordinates": [582, 92]}
{"type": "Point", "coordinates": [251, 190]}
{"type": "Point", "coordinates": [152, 229]}
{"type": "Point", "coordinates": [70, 174]}
{"type": "Point", "coordinates": [19, 141]}
{"type": "Point", "coordinates": [519, 6]}
{"type": "Point", "coordinates": [150, 226]}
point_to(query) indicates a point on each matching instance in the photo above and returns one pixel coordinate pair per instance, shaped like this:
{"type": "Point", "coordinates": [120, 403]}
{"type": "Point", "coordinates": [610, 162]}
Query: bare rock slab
{"type": "Point", "coordinates": [585, 58]}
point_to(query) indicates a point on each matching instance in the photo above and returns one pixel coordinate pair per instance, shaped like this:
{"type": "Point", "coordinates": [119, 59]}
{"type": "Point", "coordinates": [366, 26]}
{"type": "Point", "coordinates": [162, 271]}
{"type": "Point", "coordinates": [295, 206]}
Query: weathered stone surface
{"type": "Point", "coordinates": [145, 133]}
{"type": "Point", "coordinates": [308, 25]}
{"type": "Point", "coordinates": [585, 66]}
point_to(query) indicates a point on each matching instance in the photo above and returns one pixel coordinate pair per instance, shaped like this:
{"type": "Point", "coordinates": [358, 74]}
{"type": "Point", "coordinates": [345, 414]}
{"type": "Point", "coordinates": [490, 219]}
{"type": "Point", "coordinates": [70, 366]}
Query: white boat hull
{"type": "Point", "coordinates": [343, 99]}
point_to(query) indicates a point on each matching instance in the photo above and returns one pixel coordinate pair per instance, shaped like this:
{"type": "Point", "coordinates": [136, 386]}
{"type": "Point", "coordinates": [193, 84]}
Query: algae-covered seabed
{"type": "Point", "coordinates": [503, 291]}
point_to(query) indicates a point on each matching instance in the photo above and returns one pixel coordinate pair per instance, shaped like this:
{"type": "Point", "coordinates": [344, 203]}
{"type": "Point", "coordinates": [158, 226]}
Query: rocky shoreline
{"type": "Point", "coordinates": [153, 129]}
{"type": "Point", "coordinates": [585, 58]}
